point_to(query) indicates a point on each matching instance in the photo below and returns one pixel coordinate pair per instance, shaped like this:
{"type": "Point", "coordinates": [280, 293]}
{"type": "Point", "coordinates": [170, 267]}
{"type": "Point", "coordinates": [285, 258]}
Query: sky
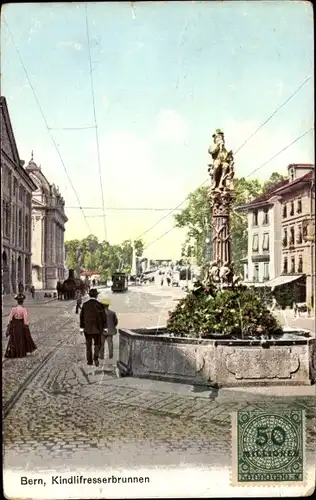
{"type": "Point", "coordinates": [165, 76]}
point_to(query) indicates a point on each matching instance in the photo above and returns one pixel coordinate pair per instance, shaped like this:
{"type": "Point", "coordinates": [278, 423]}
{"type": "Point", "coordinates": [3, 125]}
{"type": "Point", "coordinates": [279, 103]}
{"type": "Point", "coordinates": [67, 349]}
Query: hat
{"type": "Point", "coordinates": [93, 292]}
{"type": "Point", "coordinates": [19, 296]}
{"type": "Point", "coordinates": [105, 301]}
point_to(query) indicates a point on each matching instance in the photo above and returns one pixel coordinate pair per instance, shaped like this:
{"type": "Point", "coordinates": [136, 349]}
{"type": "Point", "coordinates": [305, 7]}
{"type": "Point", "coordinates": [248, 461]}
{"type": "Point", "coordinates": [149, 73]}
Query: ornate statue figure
{"type": "Point", "coordinates": [213, 272]}
{"type": "Point", "coordinates": [221, 195]}
{"type": "Point", "coordinates": [226, 274]}
{"type": "Point", "coordinates": [221, 170]}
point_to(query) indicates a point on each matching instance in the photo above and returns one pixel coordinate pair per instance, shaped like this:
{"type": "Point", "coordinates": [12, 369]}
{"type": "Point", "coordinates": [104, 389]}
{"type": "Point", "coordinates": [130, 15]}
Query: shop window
{"type": "Point", "coordinates": [265, 271]}
{"type": "Point", "coordinates": [256, 272]}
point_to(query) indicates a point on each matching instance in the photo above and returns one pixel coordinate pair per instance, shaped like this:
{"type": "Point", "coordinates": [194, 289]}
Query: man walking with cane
{"type": "Point", "coordinates": [93, 322]}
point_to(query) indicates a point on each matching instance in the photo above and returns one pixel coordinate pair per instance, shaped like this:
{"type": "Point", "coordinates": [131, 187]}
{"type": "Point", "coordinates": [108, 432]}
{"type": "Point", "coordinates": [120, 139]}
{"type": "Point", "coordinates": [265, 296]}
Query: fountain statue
{"type": "Point", "coordinates": [221, 196]}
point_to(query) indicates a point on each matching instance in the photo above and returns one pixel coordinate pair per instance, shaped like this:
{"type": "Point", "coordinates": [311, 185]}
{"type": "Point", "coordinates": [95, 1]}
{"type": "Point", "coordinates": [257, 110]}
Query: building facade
{"type": "Point", "coordinates": [298, 212]}
{"type": "Point", "coordinates": [16, 208]}
{"type": "Point", "coordinates": [263, 261]}
{"type": "Point", "coordinates": [279, 249]}
{"type": "Point", "coordinates": [48, 228]}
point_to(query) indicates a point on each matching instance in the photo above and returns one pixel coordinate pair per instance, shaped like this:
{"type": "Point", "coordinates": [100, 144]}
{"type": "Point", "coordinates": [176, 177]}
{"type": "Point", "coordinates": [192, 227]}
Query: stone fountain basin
{"type": "Point", "coordinates": [156, 354]}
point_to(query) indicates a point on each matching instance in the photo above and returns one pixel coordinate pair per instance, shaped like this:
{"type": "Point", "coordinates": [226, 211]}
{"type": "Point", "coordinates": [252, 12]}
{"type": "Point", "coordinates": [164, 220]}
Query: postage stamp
{"type": "Point", "coordinates": [268, 447]}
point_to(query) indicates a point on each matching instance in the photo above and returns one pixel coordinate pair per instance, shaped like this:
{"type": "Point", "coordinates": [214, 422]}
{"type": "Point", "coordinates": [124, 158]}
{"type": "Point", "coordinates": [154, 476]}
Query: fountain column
{"type": "Point", "coordinates": [221, 196]}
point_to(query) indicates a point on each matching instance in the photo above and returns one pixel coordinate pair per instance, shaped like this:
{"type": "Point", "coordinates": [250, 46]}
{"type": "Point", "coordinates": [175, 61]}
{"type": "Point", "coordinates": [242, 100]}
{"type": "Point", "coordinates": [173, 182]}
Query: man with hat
{"type": "Point", "coordinates": [111, 330]}
{"type": "Point", "coordinates": [93, 322]}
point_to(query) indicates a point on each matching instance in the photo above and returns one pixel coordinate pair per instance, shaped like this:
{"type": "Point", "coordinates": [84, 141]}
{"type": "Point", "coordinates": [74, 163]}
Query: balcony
{"type": "Point", "coordinates": [261, 257]}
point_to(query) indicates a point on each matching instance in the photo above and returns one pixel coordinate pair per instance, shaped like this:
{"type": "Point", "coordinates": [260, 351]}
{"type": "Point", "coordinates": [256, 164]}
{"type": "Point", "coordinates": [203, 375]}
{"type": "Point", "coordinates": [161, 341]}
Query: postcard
{"type": "Point", "coordinates": [158, 249]}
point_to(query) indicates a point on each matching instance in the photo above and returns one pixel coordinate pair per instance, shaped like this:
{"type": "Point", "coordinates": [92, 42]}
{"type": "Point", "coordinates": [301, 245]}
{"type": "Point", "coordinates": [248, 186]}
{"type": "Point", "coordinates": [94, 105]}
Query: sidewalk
{"type": "Point", "coordinates": [8, 302]}
{"type": "Point", "coordinates": [288, 319]}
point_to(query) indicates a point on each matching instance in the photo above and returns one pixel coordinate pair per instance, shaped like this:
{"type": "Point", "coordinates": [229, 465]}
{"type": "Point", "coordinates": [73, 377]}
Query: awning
{"type": "Point", "coordinates": [281, 280]}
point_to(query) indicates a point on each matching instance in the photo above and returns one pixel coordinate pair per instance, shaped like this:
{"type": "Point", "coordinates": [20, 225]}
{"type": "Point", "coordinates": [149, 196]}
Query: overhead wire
{"type": "Point", "coordinates": [95, 118]}
{"type": "Point", "coordinates": [251, 173]}
{"type": "Point", "coordinates": [45, 121]}
{"type": "Point", "coordinates": [235, 152]}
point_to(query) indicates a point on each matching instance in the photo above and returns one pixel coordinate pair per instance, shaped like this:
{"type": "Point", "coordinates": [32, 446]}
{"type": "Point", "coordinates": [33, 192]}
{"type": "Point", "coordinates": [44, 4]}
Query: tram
{"type": "Point", "coordinates": [119, 282]}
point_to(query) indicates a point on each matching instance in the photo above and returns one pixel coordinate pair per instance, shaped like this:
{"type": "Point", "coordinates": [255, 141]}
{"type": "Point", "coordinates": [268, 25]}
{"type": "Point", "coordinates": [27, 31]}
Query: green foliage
{"type": "Point", "coordinates": [196, 217]}
{"type": "Point", "coordinates": [237, 313]}
{"type": "Point", "coordinates": [93, 255]}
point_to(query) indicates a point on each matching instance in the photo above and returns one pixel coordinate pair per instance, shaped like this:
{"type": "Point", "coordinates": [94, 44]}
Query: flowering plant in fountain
{"type": "Point", "coordinates": [238, 313]}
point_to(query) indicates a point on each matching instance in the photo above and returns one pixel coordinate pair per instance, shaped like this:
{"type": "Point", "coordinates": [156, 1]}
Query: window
{"type": "Point", "coordinates": [300, 264]}
{"type": "Point", "coordinates": [8, 218]}
{"type": "Point", "coordinates": [20, 229]}
{"type": "Point", "coordinates": [10, 182]}
{"type": "Point", "coordinates": [284, 211]}
{"type": "Point", "coordinates": [13, 236]}
{"type": "Point", "coordinates": [292, 209]}
{"type": "Point", "coordinates": [285, 242]}
{"type": "Point", "coordinates": [305, 230]}
{"type": "Point", "coordinates": [265, 242]}
{"type": "Point", "coordinates": [255, 243]}
{"type": "Point", "coordinates": [255, 218]}
{"type": "Point", "coordinates": [15, 186]}
{"type": "Point", "coordinates": [256, 272]}
{"type": "Point", "coordinates": [265, 216]}
{"type": "Point", "coordinates": [299, 206]}
{"type": "Point", "coordinates": [26, 232]}
{"type": "Point", "coordinates": [21, 193]}
{"type": "Point", "coordinates": [299, 237]}
{"type": "Point", "coordinates": [265, 271]}
{"type": "Point", "coordinates": [285, 266]}
{"type": "Point", "coordinates": [292, 264]}
{"type": "Point", "coordinates": [292, 175]}
{"type": "Point", "coordinates": [292, 236]}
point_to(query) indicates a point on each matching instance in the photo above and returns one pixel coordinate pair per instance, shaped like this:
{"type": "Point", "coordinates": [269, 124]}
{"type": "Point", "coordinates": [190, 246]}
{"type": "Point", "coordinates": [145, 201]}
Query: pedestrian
{"type": "Point", "coordinates": [92, 323]}
{"type": "Point", "coordinates": [33, 291]}
{"type": "Point", "coordinates": [78, 300]}
{"type": "Point", "coordinates": [111, 330]}
{"type": "Point", "coordinates": [168, 280]}
{"type": "Point", "coordinates": [21, 288]}
{"type": "Point", "coordinates": [20, 340]}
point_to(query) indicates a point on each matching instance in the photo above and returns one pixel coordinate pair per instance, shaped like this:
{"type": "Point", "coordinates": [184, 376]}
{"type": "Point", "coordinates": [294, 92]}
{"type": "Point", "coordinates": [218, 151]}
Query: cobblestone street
{"type": "Point", "coordinates": [61, 413]}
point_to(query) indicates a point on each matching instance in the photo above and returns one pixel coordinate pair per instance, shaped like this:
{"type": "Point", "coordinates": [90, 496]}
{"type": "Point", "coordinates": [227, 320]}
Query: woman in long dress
{"type": "Point", "coordinates": [20, 340]}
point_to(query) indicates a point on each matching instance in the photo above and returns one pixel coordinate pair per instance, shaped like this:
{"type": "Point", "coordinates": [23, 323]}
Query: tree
{"type": "Point", "coordinates": [93, 255]}
{"type": "Point", "coordinates": [196, 217]}
{"type": "Point", "coordinates": [139, 247]}
{"type": "Point", "coordinates": [275, 178]}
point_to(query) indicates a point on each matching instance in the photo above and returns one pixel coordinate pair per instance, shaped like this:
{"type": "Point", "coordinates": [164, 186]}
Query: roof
{"type": "Point", "coordinates": [278, 189]}
{"type": "Point", "coordinates": [266, 196]}
{"type": "Point", "coordinates": [304, 178]}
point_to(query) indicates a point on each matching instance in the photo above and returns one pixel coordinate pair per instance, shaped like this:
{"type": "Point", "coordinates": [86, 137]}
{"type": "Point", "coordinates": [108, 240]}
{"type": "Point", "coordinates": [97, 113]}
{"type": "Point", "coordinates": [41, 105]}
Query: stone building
{"type": "Point", "coordinates": [16, 207]}
{"type": "Point", "coordinates": [279, 251]}
{"type": "Point", "coordinates": [48, 228]}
